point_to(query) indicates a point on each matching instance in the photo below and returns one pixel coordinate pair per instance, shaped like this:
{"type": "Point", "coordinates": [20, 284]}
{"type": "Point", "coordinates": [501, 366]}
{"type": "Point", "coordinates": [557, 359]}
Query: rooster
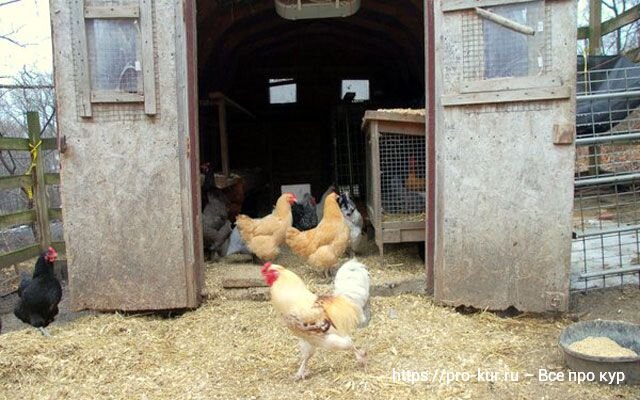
{"type": "Point", "coordinates": [263, 236]}
{"type": "Point", "coordinates": [321, 321]}
{"type": "Point", "coordinates": [323, 245]}
{"type": "Point", "coordinates": [40, 294]}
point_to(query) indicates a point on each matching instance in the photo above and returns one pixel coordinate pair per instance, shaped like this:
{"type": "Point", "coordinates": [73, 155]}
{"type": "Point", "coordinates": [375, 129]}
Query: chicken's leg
{"type": "Point", "coordinates": [44, 331]}
{"type": "Point", "coordinates": [361, 358]}
{"type": "Point", "coordinates": [306, 351]}
{"type": "Point", "coordinates": [337, 342]}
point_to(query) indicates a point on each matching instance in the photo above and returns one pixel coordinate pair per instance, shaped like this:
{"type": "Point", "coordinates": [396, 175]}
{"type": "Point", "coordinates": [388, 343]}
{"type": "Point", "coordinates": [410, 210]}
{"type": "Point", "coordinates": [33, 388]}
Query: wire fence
{"type": "Point", "coordinates": [606, 247]}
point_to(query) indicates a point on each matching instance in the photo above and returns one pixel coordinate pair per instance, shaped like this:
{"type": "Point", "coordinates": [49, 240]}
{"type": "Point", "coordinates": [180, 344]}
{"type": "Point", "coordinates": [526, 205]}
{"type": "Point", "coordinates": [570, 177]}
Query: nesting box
{"type": "Point", "coordinates": [396, 176]}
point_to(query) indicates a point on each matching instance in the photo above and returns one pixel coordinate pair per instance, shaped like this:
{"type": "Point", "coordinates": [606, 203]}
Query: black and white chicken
{"type": "Point", "coordinates": [354, 221]}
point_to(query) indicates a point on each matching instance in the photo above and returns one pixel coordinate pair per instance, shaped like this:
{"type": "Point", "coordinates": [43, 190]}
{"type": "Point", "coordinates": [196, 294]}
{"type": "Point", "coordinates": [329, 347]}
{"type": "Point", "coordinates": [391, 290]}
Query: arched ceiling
{"type": "Point", "coordinates": [234, 35]}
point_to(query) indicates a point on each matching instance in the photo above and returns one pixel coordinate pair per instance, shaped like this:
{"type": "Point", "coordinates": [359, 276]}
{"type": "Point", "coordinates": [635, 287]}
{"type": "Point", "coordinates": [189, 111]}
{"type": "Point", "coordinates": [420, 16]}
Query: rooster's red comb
{"type": "Point", "coordinates": [265, 267]}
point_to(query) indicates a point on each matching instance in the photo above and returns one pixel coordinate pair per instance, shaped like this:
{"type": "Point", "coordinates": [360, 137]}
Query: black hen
{"type": "Point", "coordinates": [304, 213]}
{"type": "Point", "coordinates": [40, 294]}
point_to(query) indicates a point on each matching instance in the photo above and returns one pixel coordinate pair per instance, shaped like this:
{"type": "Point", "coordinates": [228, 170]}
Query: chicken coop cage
{"type": "Point", "coordinates": [396, 175]}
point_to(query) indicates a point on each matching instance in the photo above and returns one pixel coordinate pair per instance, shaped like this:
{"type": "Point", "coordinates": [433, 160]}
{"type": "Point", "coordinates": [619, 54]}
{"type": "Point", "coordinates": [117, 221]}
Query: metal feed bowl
{"type": "Point", "coordinates": [624, 333]}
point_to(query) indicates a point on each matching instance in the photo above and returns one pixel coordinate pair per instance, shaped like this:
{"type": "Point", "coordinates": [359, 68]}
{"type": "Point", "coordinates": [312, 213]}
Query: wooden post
{"type": "Point", "coordinates": [224, 146]}
{"type": "Point", "coordinates": [43, 234]}
{"type": "Point", "coordinates": [595, 48]}
{"type": "Point", "coordinates": [595, 27]}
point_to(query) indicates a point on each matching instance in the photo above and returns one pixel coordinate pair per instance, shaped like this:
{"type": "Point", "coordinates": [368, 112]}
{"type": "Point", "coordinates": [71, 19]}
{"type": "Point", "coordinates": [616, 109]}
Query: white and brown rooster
{"type": "Point", "coordinates": [321, 321]}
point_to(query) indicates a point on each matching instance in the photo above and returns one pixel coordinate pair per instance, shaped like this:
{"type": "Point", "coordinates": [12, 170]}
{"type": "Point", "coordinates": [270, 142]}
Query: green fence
{"type": "Point", "coordinates": [35, 181]}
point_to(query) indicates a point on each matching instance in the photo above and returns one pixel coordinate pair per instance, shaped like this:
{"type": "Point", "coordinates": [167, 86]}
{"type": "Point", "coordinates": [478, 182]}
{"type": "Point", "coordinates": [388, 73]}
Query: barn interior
{"type": "Point", "coordinates": [289, 117]}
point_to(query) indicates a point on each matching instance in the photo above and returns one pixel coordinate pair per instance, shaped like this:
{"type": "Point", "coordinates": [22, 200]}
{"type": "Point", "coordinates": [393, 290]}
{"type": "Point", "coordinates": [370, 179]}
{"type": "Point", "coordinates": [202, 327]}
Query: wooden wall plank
{"type": "Point", "coordinates": [115, 97]}
{"type": "Point", "coordinates": [82, 58]}
{"type": "Point", "coordinates": [501, 84]}
{"type": "Point", "coordinates": [111, 12]}
{"type": "Point", "coordinates": [506, 96]}
{"type": "Point", "coordinates": [148, 67]}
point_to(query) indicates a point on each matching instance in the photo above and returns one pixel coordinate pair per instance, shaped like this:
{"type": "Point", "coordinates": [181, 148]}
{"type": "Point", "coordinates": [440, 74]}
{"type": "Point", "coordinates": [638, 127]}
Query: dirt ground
{"type": "Point", "coordinates": [238, 349]}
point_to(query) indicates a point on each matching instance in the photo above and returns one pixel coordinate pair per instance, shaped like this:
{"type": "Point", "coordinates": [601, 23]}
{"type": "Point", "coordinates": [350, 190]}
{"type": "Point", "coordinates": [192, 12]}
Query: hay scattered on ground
{"type": "Point", "coordinates": [401, 262]}
{"type": "Point", "coordinates": [239, 350]}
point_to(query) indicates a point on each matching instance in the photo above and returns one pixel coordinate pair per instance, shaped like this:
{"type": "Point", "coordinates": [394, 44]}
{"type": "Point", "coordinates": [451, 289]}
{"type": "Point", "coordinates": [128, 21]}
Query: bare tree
{"type": "Point", "coordinates": [625, 38]}
{"type": "Point", "coordinates": [8, 35]}
{"type": "Point", "coordinates": [29, 91]}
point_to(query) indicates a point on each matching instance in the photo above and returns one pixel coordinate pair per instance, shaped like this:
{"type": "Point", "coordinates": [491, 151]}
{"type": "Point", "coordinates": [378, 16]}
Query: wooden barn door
{"type": "Point", "coordinates": [505, 126]}
{"type": "Point", "coordinates": [126, 101]}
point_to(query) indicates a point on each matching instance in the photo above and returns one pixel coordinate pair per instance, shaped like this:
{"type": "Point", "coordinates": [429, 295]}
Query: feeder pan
{"type": "Point", "coordinates": [307, 9]}
{"type": "Point", "coordinates": [624, 333]}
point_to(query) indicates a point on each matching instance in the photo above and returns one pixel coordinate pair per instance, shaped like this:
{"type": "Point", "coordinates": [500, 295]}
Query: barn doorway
{"type": "Point", "coordinates": [287, 96]}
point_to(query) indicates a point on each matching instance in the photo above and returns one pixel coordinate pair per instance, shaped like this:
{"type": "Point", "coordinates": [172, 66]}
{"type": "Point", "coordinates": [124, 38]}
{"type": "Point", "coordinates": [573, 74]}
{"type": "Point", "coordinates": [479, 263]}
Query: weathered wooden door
{"type": "Point", "coordinates": [125, 85]}
{"type": "Point", "coordinates": [505, 126]}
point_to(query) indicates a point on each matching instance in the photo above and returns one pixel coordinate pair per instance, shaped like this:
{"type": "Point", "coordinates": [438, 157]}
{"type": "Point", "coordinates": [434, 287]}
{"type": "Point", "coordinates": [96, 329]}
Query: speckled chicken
{"type": "Point", "coordinates": [304, 213]}
{"type": "Point", "coordinates": [354, 221]}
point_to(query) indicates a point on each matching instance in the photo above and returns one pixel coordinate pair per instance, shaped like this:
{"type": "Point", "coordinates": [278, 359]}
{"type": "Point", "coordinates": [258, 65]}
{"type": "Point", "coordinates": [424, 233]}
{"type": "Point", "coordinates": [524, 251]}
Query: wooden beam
{"type": "Point", "coordinates": [627, 17]}
{"type": "Point", "coordinates": [82, 57]}
{"type": "Point", "coordinates": [613, 24]}
{"type": "Point", "coordinates": [16, 181]}
{"type": "Point", "coordinates": [39, 188]}
{"type": "Point", "coordinates": [633, 54]}
{"type": "Point", "coordinates": [20, 255]}
{"type": "Point", "coordinates": [52, 179]}
{"type": "Point", "coordinates": [148, 66]}
{"type": "Point", "coordinates": [583, 32]}
{"type": "Point", "coordinates": [55, 213]}
{"type": "Point", "coordinates": [224, 143]}
{"type": "Point", "coordinates": [111, 12]}
{"type": "Point", "coordinates": [595, 27]}
{"type": "Point", "coordinates": [9, 143]}
{"type": "Point", "coordinates": [505, 22]}
{"type": "Point", "coordinates": [536, 94]}
{"type": "Point", "coordinates": [18, 218]}
{"type": "Point", "coordinates": [115, 97]}
{"type": "Point", "coordinates": [512, 83]}
{"type": "Point", "coordinates": [49, 144]}
{"type": "Point", "coordinates": [60, 247]}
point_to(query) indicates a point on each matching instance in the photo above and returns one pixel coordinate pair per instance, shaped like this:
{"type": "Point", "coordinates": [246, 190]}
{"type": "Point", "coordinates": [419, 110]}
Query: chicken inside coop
{"type": "Point", "coordinates": [295, 94]}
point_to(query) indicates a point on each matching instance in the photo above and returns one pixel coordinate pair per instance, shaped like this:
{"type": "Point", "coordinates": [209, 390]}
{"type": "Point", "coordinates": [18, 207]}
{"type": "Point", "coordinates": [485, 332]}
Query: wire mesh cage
{"type": "Point", "coordinates": [606, 248]}
{"type": "Point", "coordinates": [396, 175]}
{"type": "Point", "coordinates": [114, 55]}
